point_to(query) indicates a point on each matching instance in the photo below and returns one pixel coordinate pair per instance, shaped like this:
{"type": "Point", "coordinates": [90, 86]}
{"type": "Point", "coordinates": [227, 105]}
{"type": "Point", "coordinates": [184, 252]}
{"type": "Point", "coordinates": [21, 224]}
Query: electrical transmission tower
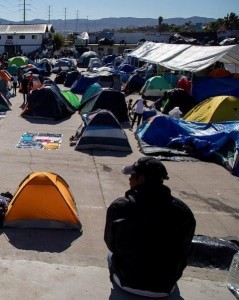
{"type": "Point", "coordinates": [49, 14]}
{"type": "Point", "coordinates": [24, 10]}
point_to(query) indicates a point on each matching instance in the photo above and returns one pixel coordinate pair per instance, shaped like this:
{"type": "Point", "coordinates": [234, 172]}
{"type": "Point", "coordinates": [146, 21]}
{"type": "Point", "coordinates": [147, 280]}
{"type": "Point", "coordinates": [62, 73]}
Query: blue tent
{"type": "Point", "coordinates": [219, 141]}
{"type": "Point", "coordinates": [104, 78]}
{"type": "Point", "coordinates": [83, 82]}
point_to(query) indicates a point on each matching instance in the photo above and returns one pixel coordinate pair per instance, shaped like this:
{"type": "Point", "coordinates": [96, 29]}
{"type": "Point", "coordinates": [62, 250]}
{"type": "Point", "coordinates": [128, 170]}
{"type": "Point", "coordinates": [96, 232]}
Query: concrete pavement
{"type": "Point", "coordinates": [57, 265]}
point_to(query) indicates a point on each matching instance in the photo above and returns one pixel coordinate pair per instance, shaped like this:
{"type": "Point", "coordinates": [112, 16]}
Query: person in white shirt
{"type": "Point", "coordinates": [138, 112]}
{"type": "Point", "coordinates": [14, 83]}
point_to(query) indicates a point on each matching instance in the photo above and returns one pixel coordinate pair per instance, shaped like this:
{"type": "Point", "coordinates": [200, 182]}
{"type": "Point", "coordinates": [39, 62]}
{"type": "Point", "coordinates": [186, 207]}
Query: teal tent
{"type": "Point", "coordinates": [155, 86]}
{"type": "Point", "coordinates": [92, 89]}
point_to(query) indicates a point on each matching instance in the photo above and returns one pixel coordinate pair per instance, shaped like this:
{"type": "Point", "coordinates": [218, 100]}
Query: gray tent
{"type": "Point", "coordinates": [101, 130]}
{"type": "Point", "coordinates": [84, 59]}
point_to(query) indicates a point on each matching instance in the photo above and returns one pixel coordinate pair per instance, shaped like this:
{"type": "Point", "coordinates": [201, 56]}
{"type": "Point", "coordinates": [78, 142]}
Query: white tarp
{"type": "Point", "coordinates": [186, 57]}
{"type": "Point", "coordinates": [82, 39]}
{"type": "Point", "coordinates": [84, 35]}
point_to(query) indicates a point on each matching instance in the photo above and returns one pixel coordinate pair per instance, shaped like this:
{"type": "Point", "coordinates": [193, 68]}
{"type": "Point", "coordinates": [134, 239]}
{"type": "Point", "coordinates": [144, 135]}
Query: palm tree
{"type": "Point", "coordinates": [160, 21]}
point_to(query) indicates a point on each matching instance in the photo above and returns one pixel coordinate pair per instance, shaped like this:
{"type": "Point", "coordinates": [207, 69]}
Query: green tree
{"type": "Point", "coordinates": [173, 28]}
{"type": "Point", "coordinates": [58, 41]}
{"type": "Point", "coordinates": [213, 26]}
{"type": "Point", "coordinates": [231, 21]}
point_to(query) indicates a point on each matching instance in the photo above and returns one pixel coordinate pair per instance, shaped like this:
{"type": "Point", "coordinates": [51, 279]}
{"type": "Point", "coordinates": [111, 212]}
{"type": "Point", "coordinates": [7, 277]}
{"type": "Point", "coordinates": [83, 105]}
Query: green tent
{"type": "Point", "coordinates": [18, 61]}
{"type": "Point", "coordinates": [71, 98]}
{"type": "Point", "coordinates": [155, 86]}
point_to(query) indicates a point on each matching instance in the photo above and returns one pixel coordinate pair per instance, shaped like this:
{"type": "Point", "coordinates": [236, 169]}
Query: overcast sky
{"type": "Point", "coordinates": [13, 10]}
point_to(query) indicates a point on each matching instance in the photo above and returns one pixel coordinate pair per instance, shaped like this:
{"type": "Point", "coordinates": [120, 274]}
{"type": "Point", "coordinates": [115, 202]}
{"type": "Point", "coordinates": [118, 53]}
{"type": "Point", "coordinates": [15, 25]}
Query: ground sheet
{"type": "Point", "coordinates": [48, 141]}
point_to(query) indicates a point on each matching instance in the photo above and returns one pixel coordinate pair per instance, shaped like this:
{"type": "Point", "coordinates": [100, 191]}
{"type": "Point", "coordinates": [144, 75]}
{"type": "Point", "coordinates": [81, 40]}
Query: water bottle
{"type": "Point", "coordinates": [233, 276]}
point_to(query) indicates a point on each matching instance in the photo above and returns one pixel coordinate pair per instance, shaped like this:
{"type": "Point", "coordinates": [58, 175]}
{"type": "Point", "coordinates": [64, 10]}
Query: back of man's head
{"type": "Point", "coordinates": [150, 167]}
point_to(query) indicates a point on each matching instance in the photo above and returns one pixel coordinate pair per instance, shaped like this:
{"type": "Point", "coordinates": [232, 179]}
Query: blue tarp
{"type": "Point", "coordinates": [206, 87]}
{"type": "Point", "coordinates": [126, 68]}
{"type": "Point", "coordinates": [208, 139]}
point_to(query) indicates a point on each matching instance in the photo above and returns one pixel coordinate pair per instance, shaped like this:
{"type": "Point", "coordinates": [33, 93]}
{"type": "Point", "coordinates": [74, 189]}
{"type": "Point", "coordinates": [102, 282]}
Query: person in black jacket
{"type": "Point", "coordinates": [148, 233]}
{"type": "Point", "coordinates": [24, 85]}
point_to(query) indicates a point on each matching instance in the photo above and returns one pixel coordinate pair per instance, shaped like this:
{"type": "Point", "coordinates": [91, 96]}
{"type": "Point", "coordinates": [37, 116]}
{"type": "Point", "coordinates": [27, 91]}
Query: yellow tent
{"type": "Point", "coordinates": [215, 109]}
{"type": "Point", "coordinates": [43, 200]}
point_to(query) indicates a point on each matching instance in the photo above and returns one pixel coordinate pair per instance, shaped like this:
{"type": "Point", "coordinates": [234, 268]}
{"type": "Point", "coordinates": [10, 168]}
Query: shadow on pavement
{"type": "Point", "coordinates": [102, 153]}
{"type": "Point", "coordinates": [43, 240]}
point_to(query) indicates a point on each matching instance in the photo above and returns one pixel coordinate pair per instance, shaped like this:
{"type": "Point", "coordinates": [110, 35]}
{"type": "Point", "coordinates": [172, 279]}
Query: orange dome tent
{"type": "Point", "coordinates": [5, 75]}
{"type": "Point", "coordinates": [43, 200]}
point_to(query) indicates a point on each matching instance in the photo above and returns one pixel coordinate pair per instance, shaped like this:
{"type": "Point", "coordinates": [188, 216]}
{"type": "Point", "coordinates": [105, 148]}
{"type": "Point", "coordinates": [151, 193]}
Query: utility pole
{"type": "Point", "coordinates": [65, 21]}
{"type": "Point", "coordinates": [77, 20]}
{"type": "Point", "coordinates": [24, 11]}
{"type": "Point", "coordinates": [49, 14]}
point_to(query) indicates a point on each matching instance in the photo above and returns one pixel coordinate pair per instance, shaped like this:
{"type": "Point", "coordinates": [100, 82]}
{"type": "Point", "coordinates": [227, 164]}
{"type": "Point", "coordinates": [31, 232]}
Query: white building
{"type": "Point", "coordinates": [131, 37]}
{"type": "Point", "coordinates": [23, 38]}
{"type": "Point", "coordinates": [135, 37]}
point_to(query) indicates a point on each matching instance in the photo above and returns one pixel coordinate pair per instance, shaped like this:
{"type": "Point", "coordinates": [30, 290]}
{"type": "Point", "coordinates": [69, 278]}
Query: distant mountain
{"type": "Point", "coordinates": [80, 25]}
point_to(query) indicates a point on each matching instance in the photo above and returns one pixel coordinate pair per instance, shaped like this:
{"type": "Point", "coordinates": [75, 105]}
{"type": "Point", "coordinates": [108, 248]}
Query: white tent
{"type": "Point", "coordinates": [187, 57]}
{"type": "Point", "coordinates": [82, 39]}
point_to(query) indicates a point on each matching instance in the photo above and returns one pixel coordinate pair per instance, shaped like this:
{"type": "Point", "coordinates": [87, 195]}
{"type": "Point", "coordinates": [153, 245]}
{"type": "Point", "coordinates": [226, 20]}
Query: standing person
{"type": "Point", "coordinates": [30, 81]}
{"type": "Point", "coordinates": [20, 75]}
{"type": "Point", "coordinates": [138, 113]}
{"type": "Point", "coordinates": [129, 108]}
{"type": "Point", "coordinates": [148, 233]}
{"type": "Point", "coordinates": [24, 85]}
{"type": "Point", "coordinates": [14, 83]}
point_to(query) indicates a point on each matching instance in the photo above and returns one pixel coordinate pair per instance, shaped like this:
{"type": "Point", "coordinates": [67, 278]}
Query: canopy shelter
{"type": "Point", "coordinates": [186, 57]}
